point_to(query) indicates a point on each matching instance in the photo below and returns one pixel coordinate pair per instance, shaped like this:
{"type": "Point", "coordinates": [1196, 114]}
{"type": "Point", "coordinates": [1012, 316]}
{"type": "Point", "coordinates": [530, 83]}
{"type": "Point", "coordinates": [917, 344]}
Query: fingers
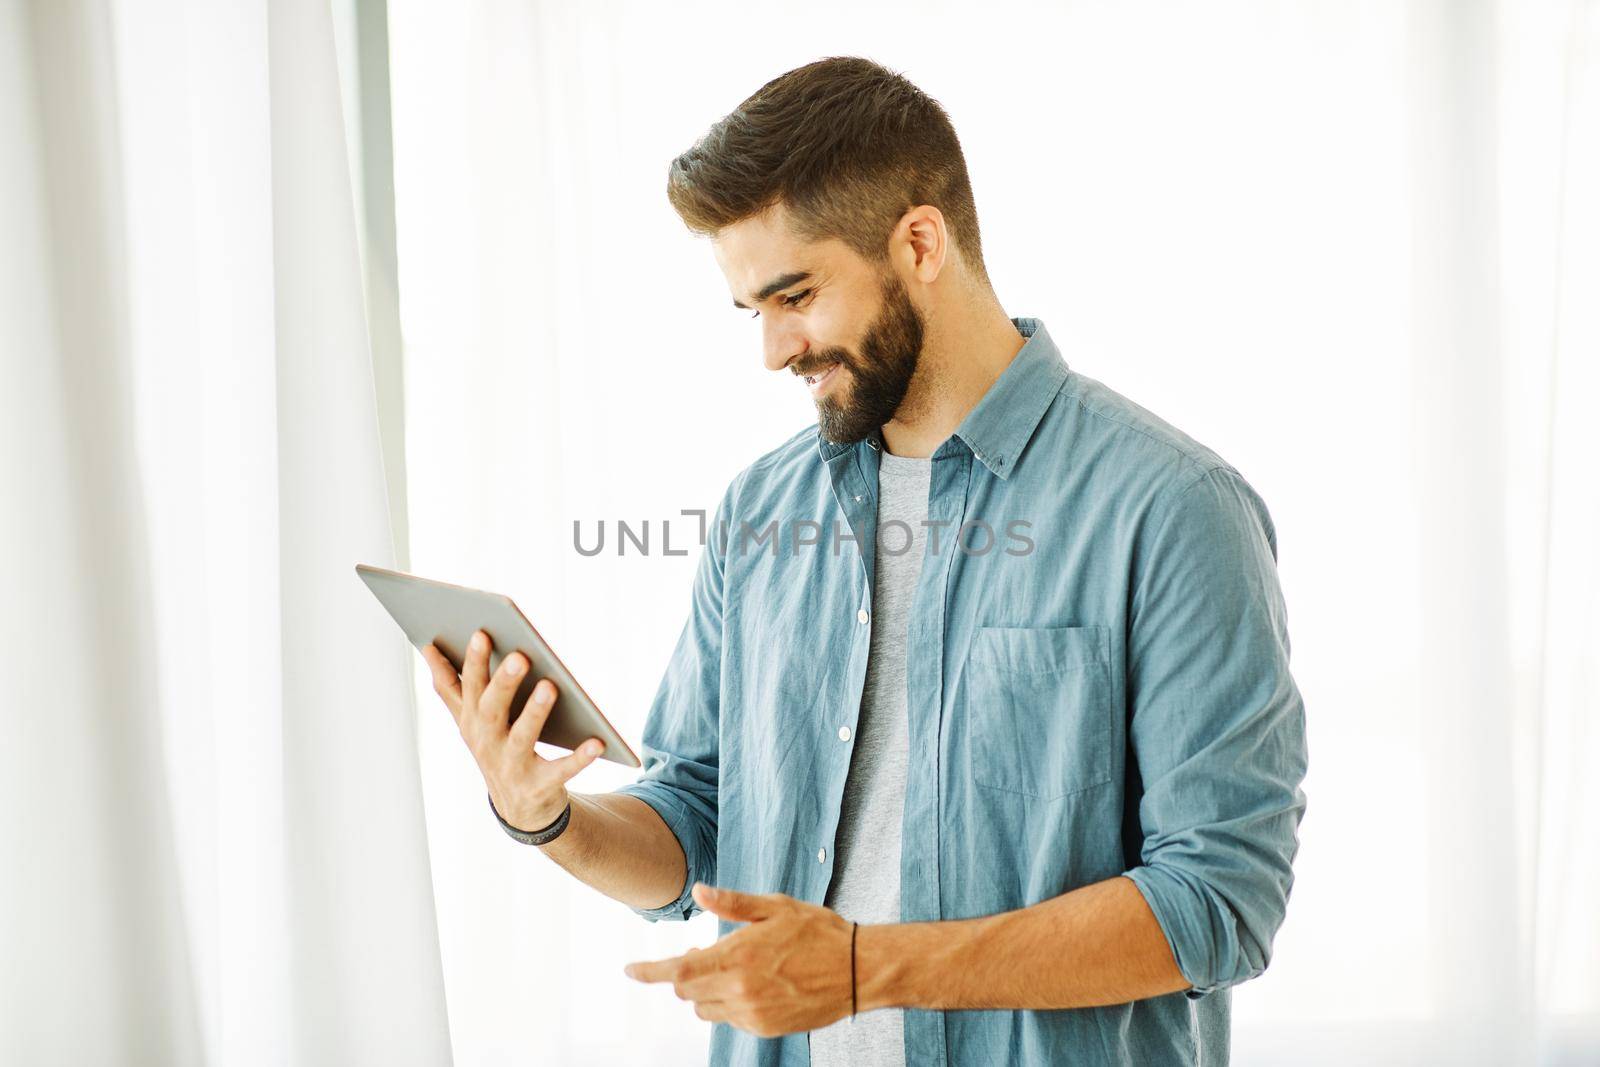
{"type": "Point", "coordinates": [702, 973]}
{"type": "Point", "coordinates": [530, 724]}
{"type": "Point", "coordinates": [494, 703]}
{"type": "Point", "coordinates": [445, 680]}
{"type": "Point", "coordinates": [567, 767]}
{"type": "Point", "coordinates": [654, 970]}
{"type": "Point", "coordinates": [699, 974]}
{"type": "Point", "coordinates": [474, 671]}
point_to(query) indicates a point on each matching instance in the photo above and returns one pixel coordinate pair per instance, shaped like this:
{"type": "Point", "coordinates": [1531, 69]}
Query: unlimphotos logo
{"type": "Point", "coordinates": [974, 537]}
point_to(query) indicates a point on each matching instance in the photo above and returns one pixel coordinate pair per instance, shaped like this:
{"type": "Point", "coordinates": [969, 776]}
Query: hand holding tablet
{"type": "Point", "coordinates": [505, 688]}
{"type": "Point", "coordinates": [529, 791]}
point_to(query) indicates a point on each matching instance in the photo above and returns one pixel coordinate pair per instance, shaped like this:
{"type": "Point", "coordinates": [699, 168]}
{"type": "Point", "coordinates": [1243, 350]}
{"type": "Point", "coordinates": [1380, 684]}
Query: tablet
{"type": "Point", "coordinates": [448, 615]}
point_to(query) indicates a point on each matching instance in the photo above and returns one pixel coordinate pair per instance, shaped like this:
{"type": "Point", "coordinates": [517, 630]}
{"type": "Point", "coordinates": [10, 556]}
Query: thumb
{"type": "Point", "coordinates": [731, 904]}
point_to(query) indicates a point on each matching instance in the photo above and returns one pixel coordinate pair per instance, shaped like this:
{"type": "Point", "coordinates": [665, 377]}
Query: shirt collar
{"type": "Point", "coordinates": [1003, 421]}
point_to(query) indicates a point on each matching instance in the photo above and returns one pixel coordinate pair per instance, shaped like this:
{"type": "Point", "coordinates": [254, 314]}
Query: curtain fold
{"type": "Point", "coordinates": [218, 853]}
{"type": "Point", "coordinates": [91, 929]}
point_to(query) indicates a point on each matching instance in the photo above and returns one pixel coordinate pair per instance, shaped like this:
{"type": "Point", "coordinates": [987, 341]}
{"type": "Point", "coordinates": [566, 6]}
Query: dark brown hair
{"type": "Point", "coordinates": [846, 145]}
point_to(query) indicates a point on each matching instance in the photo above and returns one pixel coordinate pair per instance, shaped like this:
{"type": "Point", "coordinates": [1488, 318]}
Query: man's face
{"type": "Point", "coordinates": [846, 329]}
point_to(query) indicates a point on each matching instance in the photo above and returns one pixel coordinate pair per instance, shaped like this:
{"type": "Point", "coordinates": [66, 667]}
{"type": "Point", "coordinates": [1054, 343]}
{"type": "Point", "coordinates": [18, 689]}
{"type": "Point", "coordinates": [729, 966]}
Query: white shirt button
{"type": "Point", "coordinates": [858, 498]}
{"type": "Point", "coordinates": [861, 616]}
{"type": "Point", "coordinates": [844, 733]}
{"type": "Point", "coordinates": [822, 855]}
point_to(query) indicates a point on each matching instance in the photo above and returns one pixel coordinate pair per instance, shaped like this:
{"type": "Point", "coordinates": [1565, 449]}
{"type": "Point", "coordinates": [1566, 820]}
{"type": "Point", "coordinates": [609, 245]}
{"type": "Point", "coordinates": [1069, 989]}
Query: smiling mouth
{"type": "Point", "coordinates": [821, 378]}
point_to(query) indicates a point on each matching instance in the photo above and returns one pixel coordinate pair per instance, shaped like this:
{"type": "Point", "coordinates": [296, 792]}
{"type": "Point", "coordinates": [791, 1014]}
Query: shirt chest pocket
{"type": "Point", "coordinates": [1039, 709]}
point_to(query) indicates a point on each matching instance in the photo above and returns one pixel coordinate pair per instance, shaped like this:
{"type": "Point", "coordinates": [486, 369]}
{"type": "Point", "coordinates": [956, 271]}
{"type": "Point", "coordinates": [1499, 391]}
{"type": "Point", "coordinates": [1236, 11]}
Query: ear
{"type": "Point", "coordinates": [921, 243]}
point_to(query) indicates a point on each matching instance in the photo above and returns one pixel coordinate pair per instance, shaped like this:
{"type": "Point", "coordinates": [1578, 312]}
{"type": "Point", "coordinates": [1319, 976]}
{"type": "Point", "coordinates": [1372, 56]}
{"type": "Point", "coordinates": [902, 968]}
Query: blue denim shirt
{"type": "Point", "coordinates": [1099, 685]}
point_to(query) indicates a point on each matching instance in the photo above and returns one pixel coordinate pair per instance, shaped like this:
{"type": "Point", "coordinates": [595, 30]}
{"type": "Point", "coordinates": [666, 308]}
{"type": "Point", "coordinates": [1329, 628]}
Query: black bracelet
{"type": "Point", "coordinates": [852, 972]}
{"type": "Point", "coordinates": [535, 837]}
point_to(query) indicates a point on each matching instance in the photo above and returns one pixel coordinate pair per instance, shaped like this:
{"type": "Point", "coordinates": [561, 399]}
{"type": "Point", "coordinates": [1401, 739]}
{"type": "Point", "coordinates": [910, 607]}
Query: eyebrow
{"type": "Point", "coordinates": [775, 285]}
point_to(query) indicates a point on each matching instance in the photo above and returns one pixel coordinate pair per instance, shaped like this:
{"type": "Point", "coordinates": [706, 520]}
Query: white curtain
{"type": "Point", "coordinates": [214, 839]}
{"type": "Point", "coordinates": [1353, 247]}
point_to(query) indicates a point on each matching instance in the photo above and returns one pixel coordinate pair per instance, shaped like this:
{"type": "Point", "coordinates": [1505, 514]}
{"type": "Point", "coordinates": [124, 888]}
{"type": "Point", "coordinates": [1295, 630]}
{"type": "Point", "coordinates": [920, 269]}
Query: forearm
{"type": "Point", "coordinates": [1096, 945]}
{"type": "Point", "coordinates": [620, 846]}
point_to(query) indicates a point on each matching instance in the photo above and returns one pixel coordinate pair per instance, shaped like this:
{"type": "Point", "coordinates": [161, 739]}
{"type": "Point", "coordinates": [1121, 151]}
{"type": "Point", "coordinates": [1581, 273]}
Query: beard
{"type": "Point", "coordinates": [879, 376]}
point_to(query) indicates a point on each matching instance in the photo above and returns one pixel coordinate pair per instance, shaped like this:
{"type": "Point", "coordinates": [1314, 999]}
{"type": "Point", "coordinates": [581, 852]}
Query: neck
{"type": "Point", "coordinates": [964, 350]}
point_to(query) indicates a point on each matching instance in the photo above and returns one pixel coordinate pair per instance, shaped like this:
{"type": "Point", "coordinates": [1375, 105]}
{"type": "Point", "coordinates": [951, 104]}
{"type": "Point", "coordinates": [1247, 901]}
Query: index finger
{"type": "Point", "coordinates": [696, 963]}
{"type": "Point", "coordinates": [655, 970]}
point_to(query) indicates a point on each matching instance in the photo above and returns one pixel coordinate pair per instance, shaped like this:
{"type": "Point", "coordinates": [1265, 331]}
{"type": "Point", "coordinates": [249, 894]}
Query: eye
{"type": "Point", "coordinates": [788, 301]}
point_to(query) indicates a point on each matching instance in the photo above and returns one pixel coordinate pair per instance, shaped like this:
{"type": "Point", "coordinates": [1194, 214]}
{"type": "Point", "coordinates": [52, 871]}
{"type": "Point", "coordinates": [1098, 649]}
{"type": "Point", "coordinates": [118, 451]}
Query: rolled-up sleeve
{"type": "Point", "coordinates": [680, 742]}
{"type": "Point", "coordinates": [1217, 728]}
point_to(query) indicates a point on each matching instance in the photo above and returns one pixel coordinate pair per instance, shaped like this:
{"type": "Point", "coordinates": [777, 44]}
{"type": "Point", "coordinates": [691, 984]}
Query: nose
{"type": "Point", "coordinates": [781, 341]}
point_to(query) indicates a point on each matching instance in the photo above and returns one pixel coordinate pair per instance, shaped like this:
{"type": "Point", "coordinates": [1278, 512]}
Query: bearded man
{"type": "Point", "coordinates": [980, 738]}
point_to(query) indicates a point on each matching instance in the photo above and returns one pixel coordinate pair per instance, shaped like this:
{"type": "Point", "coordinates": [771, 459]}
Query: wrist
{"type": "Point", "coordinates": [916, 965]}
{"type": "Point", "coordinates": [880, 966]}
{"type": "Point", "coordinates": [525, 818]}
